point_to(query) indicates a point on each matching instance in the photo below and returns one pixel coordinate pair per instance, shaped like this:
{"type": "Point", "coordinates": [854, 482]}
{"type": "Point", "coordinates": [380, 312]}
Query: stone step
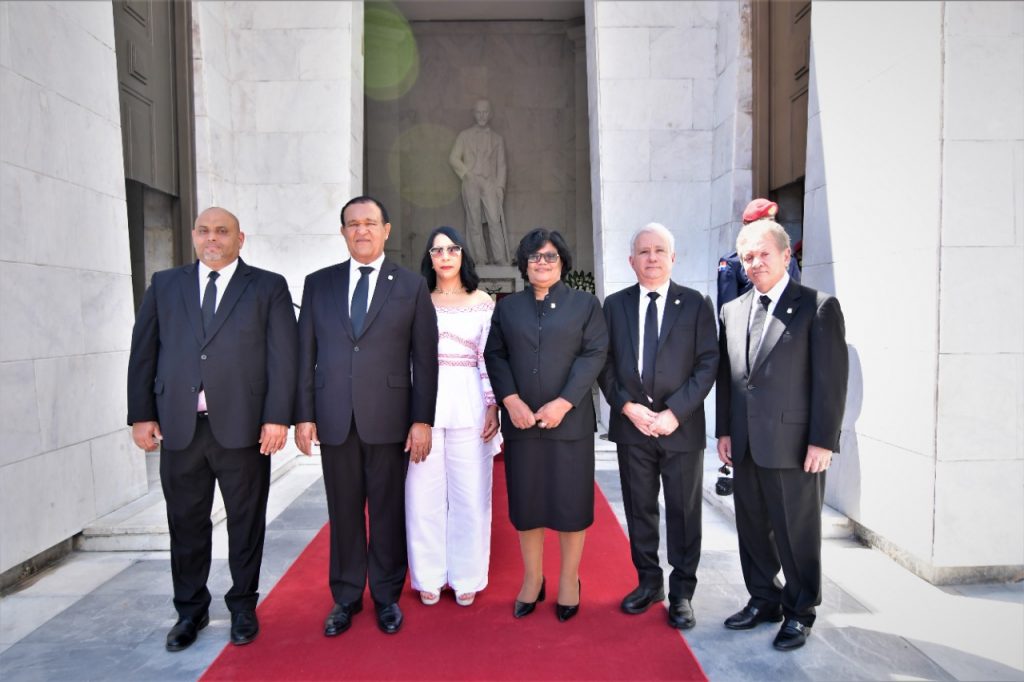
{"type": "Point", "coordinates": [141, 525]}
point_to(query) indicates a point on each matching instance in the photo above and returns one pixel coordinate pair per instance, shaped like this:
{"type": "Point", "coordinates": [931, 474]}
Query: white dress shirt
{"type": "Point", "coordinates": [660, 307]}
{"type": "Point", "coordinates": [775, 293]}
{"type": "Point", "coordinates": [354, 275]}
{"type": "Point", "coordinates": [224, 276]}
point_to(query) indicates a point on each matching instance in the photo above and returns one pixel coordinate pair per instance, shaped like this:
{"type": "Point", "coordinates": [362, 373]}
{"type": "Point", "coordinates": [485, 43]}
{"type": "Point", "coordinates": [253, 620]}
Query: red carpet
{"type": "Point", "coordinates": [482, 642]}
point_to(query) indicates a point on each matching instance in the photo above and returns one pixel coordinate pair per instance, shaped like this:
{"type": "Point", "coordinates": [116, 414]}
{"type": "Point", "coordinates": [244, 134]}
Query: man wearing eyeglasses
{"type": "Point", "coordinates": [366, 393]}
{"type": "Point", "coordinates": [661, 364]}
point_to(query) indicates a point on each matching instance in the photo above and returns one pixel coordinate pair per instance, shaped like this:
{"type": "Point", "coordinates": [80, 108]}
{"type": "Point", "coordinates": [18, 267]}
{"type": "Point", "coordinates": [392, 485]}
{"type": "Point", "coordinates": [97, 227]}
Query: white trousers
{"type": "Point", "coordinates": [448, 513]}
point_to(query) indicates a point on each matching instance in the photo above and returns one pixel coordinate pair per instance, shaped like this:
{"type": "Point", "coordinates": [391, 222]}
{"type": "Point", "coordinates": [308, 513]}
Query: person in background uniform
{"type": "Point", "coordinates": [732, 279]}
{"type": "Point", "coordinates": [211, 381]}
{"type": "Point", "coordinates": [662, 362]}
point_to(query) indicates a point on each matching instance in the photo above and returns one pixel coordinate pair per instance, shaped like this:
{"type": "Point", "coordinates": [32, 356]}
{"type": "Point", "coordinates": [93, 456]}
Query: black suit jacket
{"type": "Point", "coordinates": [246, 363]}
{"type": "Point", "coordinates": [795, 393]}
{"type": "Point", "coordinates": [559, 354]}
{"type": "Point", "coordinates": [387, 377]}
{"type": "Point", "coordinates": [685, 368]}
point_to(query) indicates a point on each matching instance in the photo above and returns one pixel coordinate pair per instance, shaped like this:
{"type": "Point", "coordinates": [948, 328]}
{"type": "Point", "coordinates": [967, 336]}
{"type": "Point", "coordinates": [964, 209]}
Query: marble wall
{"type": "Point", "coordinates": [528, 71]}
{"type": "Point", "coordinates": [65, 276]}
{"type": "Point", "coordinates": [279, 125]}
{"type": "Point", "coordinates": [924, 127]}
{"type": "Point", "coordinates": [653, 79]}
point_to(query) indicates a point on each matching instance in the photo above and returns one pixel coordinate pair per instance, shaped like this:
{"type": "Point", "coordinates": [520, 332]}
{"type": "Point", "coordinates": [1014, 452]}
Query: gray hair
{"type": "Point", "coordinates": [656, 228]}
{"type": "Point", "coordinates": [750, 230]}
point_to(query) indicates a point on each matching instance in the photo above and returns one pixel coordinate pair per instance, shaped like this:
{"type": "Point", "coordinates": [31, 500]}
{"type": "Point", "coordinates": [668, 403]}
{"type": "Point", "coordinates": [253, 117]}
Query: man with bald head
{"type": "Point", "coordinates": [211, 382]}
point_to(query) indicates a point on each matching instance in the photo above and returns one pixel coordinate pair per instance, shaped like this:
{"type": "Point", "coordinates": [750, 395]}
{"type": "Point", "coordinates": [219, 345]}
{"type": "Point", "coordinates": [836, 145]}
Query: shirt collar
{"type": "Point", "coordinates": [775, 293]}
{"type": "Point", "coordinates": [375, 264]}
{"type": "Point", "coordinates": [662, 290]}
{"type": "Point", "coordinates": [225, 272]}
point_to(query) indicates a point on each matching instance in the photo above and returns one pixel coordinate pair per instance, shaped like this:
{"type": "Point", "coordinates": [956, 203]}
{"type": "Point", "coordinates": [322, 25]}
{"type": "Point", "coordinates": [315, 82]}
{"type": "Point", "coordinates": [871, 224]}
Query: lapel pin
{"type": "Point", "coordinates": [552, 306]}
{"type": "Point", "coordinates": [391, 277]}
{"type": "Point", "coordinates": [677, 301]}
{"type": "Point", "coordinates": [789, 311]}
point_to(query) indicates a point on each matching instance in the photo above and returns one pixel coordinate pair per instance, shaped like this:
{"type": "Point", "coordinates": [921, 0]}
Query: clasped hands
{"type": "Point", "coordinates": [649, 422]}
{"type": "Point", "coordinates": [549, 416]}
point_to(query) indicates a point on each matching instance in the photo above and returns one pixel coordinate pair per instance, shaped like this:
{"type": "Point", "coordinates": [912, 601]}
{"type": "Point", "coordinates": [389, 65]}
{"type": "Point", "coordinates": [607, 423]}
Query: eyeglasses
{"type": "Point", "coordinates": [548, 257]}
{"type": "Point", "coordinates": [452, 250]}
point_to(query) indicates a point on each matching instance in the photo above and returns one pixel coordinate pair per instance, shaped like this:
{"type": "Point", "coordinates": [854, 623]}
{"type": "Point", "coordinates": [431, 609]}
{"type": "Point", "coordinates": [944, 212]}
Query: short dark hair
{"type": "Point", "coordinates": [365, 200]}
{"type": "Point", "coordinates": [467, 273]}
{"type": "Point", "coordinates": [534, 240]}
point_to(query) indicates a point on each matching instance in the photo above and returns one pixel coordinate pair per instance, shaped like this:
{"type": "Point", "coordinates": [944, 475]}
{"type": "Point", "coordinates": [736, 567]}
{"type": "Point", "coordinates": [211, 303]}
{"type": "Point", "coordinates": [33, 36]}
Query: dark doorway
{"type": "Point", "coordinates": [154, 73]}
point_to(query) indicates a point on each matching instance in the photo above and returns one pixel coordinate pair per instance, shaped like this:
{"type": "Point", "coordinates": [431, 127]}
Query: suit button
{"type": "Point", "coordinates": [202, 357]}
{"type": "Point", "coordinates": [533, 371]}
{"type": "Point", "coordinates": [192, 389]}
{"type": "Point", "coordinates": [355, 348]}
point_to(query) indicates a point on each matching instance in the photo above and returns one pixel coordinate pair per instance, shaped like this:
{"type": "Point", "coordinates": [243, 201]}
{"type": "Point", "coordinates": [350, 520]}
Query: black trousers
{"type": "Point", "coordinates": [359, 476]}
{"type": "Point", "coordinates": [778, 521]}
{"type": "Point", "coordinates": [187, 477]}
{"type": "Point", "coordinates": [641, 468]}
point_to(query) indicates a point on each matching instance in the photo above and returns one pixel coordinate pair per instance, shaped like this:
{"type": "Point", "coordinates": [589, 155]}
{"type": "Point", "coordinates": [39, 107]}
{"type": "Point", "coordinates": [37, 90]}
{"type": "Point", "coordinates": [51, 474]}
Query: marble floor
{"type": "Point", "coordinates": [104, 615]}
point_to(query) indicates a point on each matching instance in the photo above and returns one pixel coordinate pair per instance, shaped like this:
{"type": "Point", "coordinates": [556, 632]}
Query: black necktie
{"type": "Point", "coordinates": [358, 312]}
{"type": "Point", "coordinates": [210, 301]}
{"type": "Point", "coordinates": [650, 345]}
{"type": "Point", "coordinates": [754, 337]}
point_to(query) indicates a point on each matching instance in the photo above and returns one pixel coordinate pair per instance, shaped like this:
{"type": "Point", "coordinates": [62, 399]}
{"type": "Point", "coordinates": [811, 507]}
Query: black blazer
{"type": "Point", "coordinates": [387, 377]}
{"type": "Point", "coordinates": [685, 369]}
{"type": "Point", "coordinates": [796, 391]}
{"type": "Point", "coordinates": [541, 358]}
{"type": "Point", "coordinates": [246, 364]}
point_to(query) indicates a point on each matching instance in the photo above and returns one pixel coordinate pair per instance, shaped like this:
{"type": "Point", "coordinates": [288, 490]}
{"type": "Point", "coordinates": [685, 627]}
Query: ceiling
{"type": "Point", "coordinates": [490, 10]}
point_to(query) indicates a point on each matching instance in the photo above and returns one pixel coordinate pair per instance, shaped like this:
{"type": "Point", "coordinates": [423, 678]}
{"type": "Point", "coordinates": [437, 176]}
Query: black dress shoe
{"type": "Point", "coordinates": [389, 618]}
{"type": "Point", "coordinates": [792, 635]}
{"type": "Point", "coordinates": [680, 614]}
{"type": "Point", "coordinates": [640, 599]}
{"type": "Point", "coordinates": [185, 631]}
{"type": "Point", "coordinates": [525, 608]}
{"type": "Point", "coordinates": [751, 616]}
{"type": "Point", "coordinates": [340, 618]}
{"type": "Point", "coordinates": [564, 612]}
{"type": "Point", "coordinates": [244, 627]}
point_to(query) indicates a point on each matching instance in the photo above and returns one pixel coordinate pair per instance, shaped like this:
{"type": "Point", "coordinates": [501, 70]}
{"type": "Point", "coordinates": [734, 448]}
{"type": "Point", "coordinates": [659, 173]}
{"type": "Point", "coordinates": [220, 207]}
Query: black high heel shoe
{"type": "Point", "coordinates": [525, 608]}
{"type": "Point", "coordinates": [566, 612]}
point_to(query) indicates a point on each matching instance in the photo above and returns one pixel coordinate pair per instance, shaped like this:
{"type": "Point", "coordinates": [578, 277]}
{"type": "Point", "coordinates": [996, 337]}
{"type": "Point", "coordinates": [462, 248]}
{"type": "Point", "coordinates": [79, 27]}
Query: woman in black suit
{"type": "Point", "coordinates": [546, 348]}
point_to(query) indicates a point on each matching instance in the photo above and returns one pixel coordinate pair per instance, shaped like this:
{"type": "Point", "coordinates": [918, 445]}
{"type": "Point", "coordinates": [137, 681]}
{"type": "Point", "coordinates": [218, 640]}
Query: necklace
{"type": "Point", "coordinates": [450, 292]}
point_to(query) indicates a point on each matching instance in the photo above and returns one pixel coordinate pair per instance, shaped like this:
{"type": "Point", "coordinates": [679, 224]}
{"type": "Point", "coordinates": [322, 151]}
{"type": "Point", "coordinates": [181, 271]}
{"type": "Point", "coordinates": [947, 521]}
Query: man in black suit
{"type": "Point", "coordinates": [366, 394]}
{"type": "Point", "coordinates": [661, 365]}
{"type": "Point", "coordinates": [781, 395]}
{"type": "Point", "coordinates": [212, 375]}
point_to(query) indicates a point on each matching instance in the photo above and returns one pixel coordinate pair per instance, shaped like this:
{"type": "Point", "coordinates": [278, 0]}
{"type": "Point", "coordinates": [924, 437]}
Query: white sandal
{"type": "Point", "coordinates": [430, 598]}
{"type": "Point", "coordinates": [465, 599]}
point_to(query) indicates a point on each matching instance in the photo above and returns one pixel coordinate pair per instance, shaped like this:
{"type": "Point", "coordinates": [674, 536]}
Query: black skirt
{"type": "Point", "coordinates": [550, 483]}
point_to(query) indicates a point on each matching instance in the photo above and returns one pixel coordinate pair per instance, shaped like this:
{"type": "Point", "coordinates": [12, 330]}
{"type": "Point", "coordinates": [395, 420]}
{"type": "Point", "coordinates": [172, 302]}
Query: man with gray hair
{"type": "Point", "coordinates": [662, 360]}
{"type": "Point", "coordinates": [780, 400]}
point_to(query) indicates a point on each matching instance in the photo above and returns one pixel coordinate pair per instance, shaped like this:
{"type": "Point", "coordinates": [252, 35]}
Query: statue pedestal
{"type": "Point", "coordinates": [499, 279]}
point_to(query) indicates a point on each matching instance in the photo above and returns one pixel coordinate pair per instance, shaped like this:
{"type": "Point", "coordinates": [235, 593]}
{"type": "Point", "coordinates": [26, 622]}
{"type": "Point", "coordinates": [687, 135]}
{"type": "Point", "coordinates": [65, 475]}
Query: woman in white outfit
{"type": "Point", "coordinates": [448, 495]}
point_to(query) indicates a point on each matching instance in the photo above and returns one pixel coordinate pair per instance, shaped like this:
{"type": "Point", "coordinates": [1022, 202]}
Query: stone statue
{"type": "Point", "coordinates": [478, 158]}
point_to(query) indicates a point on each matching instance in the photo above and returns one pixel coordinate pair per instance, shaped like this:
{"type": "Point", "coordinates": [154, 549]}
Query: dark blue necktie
{"type": "Point", "coordinates": [210, 301]}
{"type": "Point", "coordinates": [756, 328]}
{"type": "Point", "coordinates": [650, 345]}
{"type": "Point", "coordinates": [359, 297]}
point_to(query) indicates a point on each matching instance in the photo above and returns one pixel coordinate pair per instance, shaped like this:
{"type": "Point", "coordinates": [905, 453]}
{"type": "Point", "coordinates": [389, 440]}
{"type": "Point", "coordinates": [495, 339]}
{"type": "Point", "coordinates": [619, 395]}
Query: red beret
{"type": "Point", "coordinates": [758, 209]}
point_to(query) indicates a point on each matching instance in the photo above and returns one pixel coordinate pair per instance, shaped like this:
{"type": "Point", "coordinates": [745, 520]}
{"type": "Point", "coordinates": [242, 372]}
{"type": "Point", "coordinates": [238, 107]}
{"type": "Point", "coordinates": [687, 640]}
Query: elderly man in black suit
{"type": "Point", "coordinates": [366, 393]}
{"type": "Point", "coordinates": [661, 365]}
{"type": "Point", "coordinates": [781, 395]}
{"type": "Point", "coordinates": [212, 375]}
